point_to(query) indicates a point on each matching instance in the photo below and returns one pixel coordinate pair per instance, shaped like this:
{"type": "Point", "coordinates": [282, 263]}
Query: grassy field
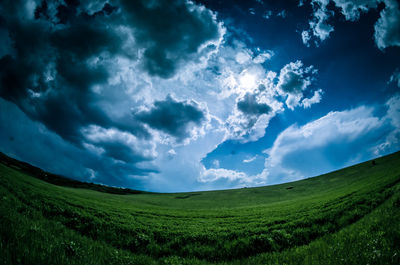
{"type": "Point", "coordinates": [351, 216]}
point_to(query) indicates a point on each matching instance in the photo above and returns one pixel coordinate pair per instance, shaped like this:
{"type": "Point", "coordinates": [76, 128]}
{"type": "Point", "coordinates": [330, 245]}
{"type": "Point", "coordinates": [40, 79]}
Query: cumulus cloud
{"type": "Point", "coordinates": [294, 79]}
{"type": "Point", "coordinates": [319, 26]}
{"type": "Point", "coordinates": [66, 64]}
{"type": "Point", "coordinates": [172, 117]}
{"type": "Point", "coordinates": [243, 57]}
{"type": "Point", "coordinates": [322, 145]}
{"type": "Point", "coordinates": [393, 112]}
{"type": "Point", "coordinates": [262, 57]}
{"type": "Point", "coordinates": [18, 133]}
{"type": "Point", "coordinates": [353, 9]}
{"type": "Point", "coordinates": [349, 124]}
{"type": "Point", "coordinates": [316, 98]}
{"type": "Point", "coordinates": [249, 105]}
{"type": "Point", "coordinates": [232, 73]}
{"type": "Point", "coordinates": [213, 174]}
{"type": "Point", "coordinates": [222, 177]}
{"type": "Point", "coordinates": [96, 77]}
{"type": "Point", "coordinates": [252, 115]}
{"type": "Point", "coordinates": [306, 37]}
{"type": "Point", "coordinates": [119, 145]}
{"type": "Point", "coordinates": [260, 94]}
{"type": "Point", "coordinates": [48, 75]}
{"type": "Point", "coordinates": [387, 27]}
{"type": "Point", "coordinates": [169, 32]}
{"type": "Point", "coordinates": [392, 140]}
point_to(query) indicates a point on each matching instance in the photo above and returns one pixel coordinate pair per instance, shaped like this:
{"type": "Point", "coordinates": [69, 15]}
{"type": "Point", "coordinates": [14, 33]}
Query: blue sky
{"type": "Point", "coordinates": [181, 96]}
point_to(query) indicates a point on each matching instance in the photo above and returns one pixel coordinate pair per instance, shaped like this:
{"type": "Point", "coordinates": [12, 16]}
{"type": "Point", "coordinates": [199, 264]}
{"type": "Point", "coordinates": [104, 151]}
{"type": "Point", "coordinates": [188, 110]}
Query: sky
{"type": "Point", "coordinates": [172, 96]}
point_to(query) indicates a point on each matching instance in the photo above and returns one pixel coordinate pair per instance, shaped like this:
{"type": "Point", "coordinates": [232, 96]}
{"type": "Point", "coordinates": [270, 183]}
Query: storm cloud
{"type": "Point", "coordinates": [150, 94]}
{"type": "Point", "coordinates": [172, 117]}
{"type": "Point", "coordinates": [49, 74]}
{"type": "Point", "coordinates": [169, 31]}
{"type": "Point", "coordinates": [57, 61]}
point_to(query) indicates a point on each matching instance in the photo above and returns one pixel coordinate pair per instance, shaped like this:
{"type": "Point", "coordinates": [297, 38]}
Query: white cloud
{"type": "Point", "coordinates": [247, 80]}
{"type": "Point", "coordinates": [305, 36]}
{"type": "Point", "coordinates": [217, 73]}
{"type": "Point", "coordinates": [392, 140]}
{"type": "Point", "coordinates": [228, 73]}
{"type": "Point", "coordinates": [319, 26]}
{"type": "Point", "coordinates": [243, 57]}
{"type": "Point", "coordinates": [352, 9]}
{"type": "Point", "coordinates": [298, 147]}
{"type": "Point", "coordinates": [249, 160]}
{"type": "Point", "coordinates": [316, 98]}
{"type": "Point", "coordinates": [108, 139]}
{"type": "Point", "coordinates": [180, 172]}
{"type": "Point", "coordinates": [262, 57]}
{"type": "Point", "coordinates": [393, 112]}
{"type": "Point", "coordinates": [349, 124]}
{"type": "Point", "coordinates": [252, 114]}
{"type": "Point", "coordinates": [317, 147]}
{"type": "Point", "coordinates": [213, 174]}
{"type": "Point", "coordinates": [293, 80]}
{"type": "Point", "coordinates": [387, 27]}
{"type": "Point", "coordinates": [221, 177]}
{"type": "Point", "coordinates": [260, 94]}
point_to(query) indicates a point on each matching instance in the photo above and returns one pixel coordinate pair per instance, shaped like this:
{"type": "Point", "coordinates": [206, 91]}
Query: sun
{"type": "Point", "coordinates": [247, 80]}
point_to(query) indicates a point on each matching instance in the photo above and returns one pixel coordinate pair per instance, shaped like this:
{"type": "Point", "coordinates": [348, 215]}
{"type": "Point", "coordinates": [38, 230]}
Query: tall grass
{"type": "Point", "coordinates": [343, 217]}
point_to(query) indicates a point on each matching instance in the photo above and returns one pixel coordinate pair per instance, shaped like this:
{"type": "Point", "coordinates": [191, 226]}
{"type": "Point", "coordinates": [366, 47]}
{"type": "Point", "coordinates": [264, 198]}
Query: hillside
{"type": "Point", "coordinates": [349, 216]}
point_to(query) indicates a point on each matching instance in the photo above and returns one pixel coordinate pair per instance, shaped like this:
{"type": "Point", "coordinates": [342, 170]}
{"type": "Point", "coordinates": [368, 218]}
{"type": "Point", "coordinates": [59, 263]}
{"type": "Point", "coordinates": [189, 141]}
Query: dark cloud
{"type": "Point", "coordinates": [249, 106]}
{"type": "Point", "coordinates": [51, 62]}
{"type": "Point", "coordinates": [48, 75]}
{"type": "Point", "coordinates": [121, 152]}
{"type": "Point", "coordinates": [54, 53]}
{"type": "Point", "coordinates": [172, 117]}
{"type": "Point", "coordinates": [24, 139]}
{"type": "Point", "coordinates": [169, 31]}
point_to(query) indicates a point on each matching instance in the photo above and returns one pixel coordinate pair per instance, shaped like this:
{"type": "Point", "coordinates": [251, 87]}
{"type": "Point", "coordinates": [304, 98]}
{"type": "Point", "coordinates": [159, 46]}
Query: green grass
{"type": "Point", "coordinates": [350, 216]}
